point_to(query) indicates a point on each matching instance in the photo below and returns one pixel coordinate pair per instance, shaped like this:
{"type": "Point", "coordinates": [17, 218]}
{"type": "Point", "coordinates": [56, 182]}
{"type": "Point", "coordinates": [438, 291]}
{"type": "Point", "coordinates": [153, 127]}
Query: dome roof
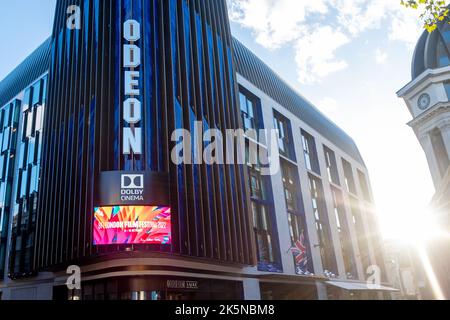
{"type": "Point", "coordinates": [432, 50]}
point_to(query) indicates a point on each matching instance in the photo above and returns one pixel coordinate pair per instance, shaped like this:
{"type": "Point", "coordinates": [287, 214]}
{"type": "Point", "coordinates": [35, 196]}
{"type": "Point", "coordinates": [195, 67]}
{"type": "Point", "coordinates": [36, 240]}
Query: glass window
{"type": "Point", "coordinates": [38, 118]}
{"type": "Point", "coordinates": [446, 36]}
{"type": "Point", "coordinates": [37, 93]}
{"type": "Point", "coordinates": [24, 125]}
{"type": "Point", "coordinates": [27, 100]}
{"type": "Point", "coordinates": [7, 116]}
{"type": "Point", "coordinates": [2, 117]}
{"type": "Point", "coordinates": [332, 169]}
{"type": "Point", "coordinates": [23, 147]}
{"type": "Point", "coordinates": [38, 147]}
{"type": "Point", "coordinates": [247, 112]}
{"type": "Point", "coordinates": [296, 227]}
{"type": "Point", "coordinates": [442, 54]}
{"type": "Point", "coordinates": [310, 152]}
{"type": "Point", "coordinates": [360, 232]}
{"type": "Point", "coordinates": [263, 233]}
{"type": "Point", "coordinates": [24, 184]}
{"type": "Point", "coordinates": [261, 208]}
{"type": "Point", "coordinates": [31, 151]}
{"type": "Point", "coordinates": [349, 179]}
{"type": "Point", "coordinates": [6, 139]}
{"type": "Point", "coordinates": [279, 125]}
{"type": "Point", "coordinates": [30, 124]}
{"type": "Point", "coordinates": [34, 180]}
{"type": "Point", "coordinates": [283, 125]}
{"type": "Point", "coordinates": [364, 186]}
{"type": "Point", "coordinates": [344, 233]}
{"type": "Point", "coordinates": [291, 187]}
{"type": "Point", "coordinates": [322, 224]}
{"type": "Point", "coordinates": [3, 163]}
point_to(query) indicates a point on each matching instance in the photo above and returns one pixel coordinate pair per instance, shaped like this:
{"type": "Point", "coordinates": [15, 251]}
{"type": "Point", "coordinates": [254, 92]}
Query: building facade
{"type": "Point", "coordinates": [91, 182]}
{"type": "Point", "coordinates": [427, 97]}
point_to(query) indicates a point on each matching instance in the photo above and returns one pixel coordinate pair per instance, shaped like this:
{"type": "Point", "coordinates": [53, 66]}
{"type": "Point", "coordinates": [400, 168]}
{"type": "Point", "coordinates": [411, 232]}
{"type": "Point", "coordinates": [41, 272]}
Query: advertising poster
{"type": "Point", "coordinates": [132, 225]}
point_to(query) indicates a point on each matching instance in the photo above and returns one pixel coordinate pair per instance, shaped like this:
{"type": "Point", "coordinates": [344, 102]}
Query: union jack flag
{"type": "Point", "coordinates": [300, 253]}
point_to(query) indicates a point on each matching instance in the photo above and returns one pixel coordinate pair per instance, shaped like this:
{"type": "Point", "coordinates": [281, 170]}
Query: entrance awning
{"type": "Point", "coordinates": [358, 286]}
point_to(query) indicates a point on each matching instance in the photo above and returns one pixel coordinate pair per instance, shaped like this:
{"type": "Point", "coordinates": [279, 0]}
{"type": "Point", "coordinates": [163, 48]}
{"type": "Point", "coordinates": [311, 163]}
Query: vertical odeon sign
{"type": "Point", "coordinates": [135, 71]}
{"type": "Point", "coordinates": [132, 107]}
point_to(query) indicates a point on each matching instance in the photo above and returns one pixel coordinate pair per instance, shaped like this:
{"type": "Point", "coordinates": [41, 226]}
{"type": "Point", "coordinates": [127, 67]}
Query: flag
{"type": "Point", "coordinates": [300, 253]}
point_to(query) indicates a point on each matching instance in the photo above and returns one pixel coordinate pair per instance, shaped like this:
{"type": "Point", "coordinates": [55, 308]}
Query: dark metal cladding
{"type": "Point", "coordinates": [34, 66]}
{"type": "Point", "coordinates": [187, 75]}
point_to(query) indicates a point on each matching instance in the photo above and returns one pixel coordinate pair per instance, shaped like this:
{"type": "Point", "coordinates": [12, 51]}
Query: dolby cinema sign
{"type": "Point", "coordinates": [132, 107]}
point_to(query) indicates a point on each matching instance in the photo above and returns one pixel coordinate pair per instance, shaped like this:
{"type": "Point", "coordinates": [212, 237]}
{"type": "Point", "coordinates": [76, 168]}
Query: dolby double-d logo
{"type": "Point", "coordinates": [132, 187]}
{"type": "Point", "coordinates": [132, 181]}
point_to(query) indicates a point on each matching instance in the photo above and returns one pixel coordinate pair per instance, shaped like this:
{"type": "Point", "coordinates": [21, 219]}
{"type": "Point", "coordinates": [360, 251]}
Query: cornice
{"type": "Point", "coordinates": [437, 109]}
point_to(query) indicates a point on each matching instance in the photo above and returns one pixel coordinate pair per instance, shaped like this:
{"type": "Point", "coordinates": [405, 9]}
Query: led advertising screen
{"type": "Point", "coordinates": [132, 225]}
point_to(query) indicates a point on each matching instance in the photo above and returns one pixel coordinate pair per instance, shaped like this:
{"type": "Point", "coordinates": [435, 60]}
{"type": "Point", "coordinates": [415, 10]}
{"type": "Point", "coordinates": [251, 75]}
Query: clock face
{"type": "Point", "coordinates": [424, 101]}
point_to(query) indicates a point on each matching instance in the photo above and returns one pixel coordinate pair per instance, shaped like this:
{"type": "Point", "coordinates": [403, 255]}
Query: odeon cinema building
{"type": "Point", "coordinates": [88, 186]}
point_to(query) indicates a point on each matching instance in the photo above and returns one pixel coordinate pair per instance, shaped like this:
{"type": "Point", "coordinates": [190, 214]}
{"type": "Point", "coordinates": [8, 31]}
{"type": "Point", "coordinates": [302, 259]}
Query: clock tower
{"type": "Point", "coordinates": [427, 97]}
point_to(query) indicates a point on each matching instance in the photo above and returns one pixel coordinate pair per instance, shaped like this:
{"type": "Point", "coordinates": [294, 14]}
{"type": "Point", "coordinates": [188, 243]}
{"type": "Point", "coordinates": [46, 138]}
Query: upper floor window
{"type": "Point", "coordinates": [322, 224]}
{"type": "Point", "coordinates": [262, 209]}
{"type": "Point", "coordinates": [250, 107]}
{"type": "Point", "coordinates": [310, 152]}
{"type": "Point", "coordinates": [344, 233]}
{"type": "Point", "coordinates": [349, 178]}
{"type": "Point", "coordinates": [291, 187]}
{"type": "Point", "coordinates": [332, 169]}
{"type": "Point", "coordinates": [442, 54]}
{"type": "Point", "coordinates": [283, 125]}
{"type": "Point", "coordinates": [364, 186]}
{"type": "Point", "coordinates": [247, 112]}
{"type": "Point", "coordinates": [362, 235]}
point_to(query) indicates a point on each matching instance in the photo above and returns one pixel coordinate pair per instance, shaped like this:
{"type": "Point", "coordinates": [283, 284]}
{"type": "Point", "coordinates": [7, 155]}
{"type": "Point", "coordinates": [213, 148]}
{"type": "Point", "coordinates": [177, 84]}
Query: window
{"type": "Point", "coordinates": [291, 187]}
{"type": "Point", "coordinates": [262, 206]}
{"type": "Point", "coordinates": [247, 112]}
{"type": "Point", "coordinates": [446, 36]}
{"type": "Point", "coordinates": [349, 179]}
{"type": "Point", "coordinates": [310, 152]}
{"type": "Point", "coordinates": [6, 139]}
{"type": "Point", "coordinates": [37, 93]}
{"type": "Point", "coordinates": [263, 233]}
{"type": "Point", "coordinates": [322, 224]}
{"type": "Point", "coordinates": [30, 123]}
{"type": "Point", "coordinates": [344, 233]}
{"type": "Point", "coordinates": [7, 116]}
{"type": "Point", "coordinates": [3, 163]}
{"type": "Point", "coordinates": [364, 186]}
{"type": "Point", "coordinates": [442, 54]}
{"type": "Point", "coordinates": [39, 118]}
{"type": "Point", "coordinates": [283, 126]}
{"type": "Point", "coordinates": [332, 169]}
{"type": "Point", "coordinates": [360, 233]}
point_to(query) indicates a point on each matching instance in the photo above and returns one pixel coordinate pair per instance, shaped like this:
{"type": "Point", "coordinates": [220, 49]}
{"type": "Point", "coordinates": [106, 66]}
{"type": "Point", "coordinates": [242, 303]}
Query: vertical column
{"type": "Point", "coordinates": [322, 293]}
{"type": "Point", "coordinates": [425, 141]}
{"type": "Point", "coordinates": [252, 290]}
{"type": "Point", "coordinates": [445, 131]}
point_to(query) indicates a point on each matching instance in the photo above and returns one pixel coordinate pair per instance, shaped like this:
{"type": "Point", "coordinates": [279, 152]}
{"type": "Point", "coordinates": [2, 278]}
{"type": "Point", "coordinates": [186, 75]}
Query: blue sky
{"type": "Point", "coordinates": [349, 57]}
